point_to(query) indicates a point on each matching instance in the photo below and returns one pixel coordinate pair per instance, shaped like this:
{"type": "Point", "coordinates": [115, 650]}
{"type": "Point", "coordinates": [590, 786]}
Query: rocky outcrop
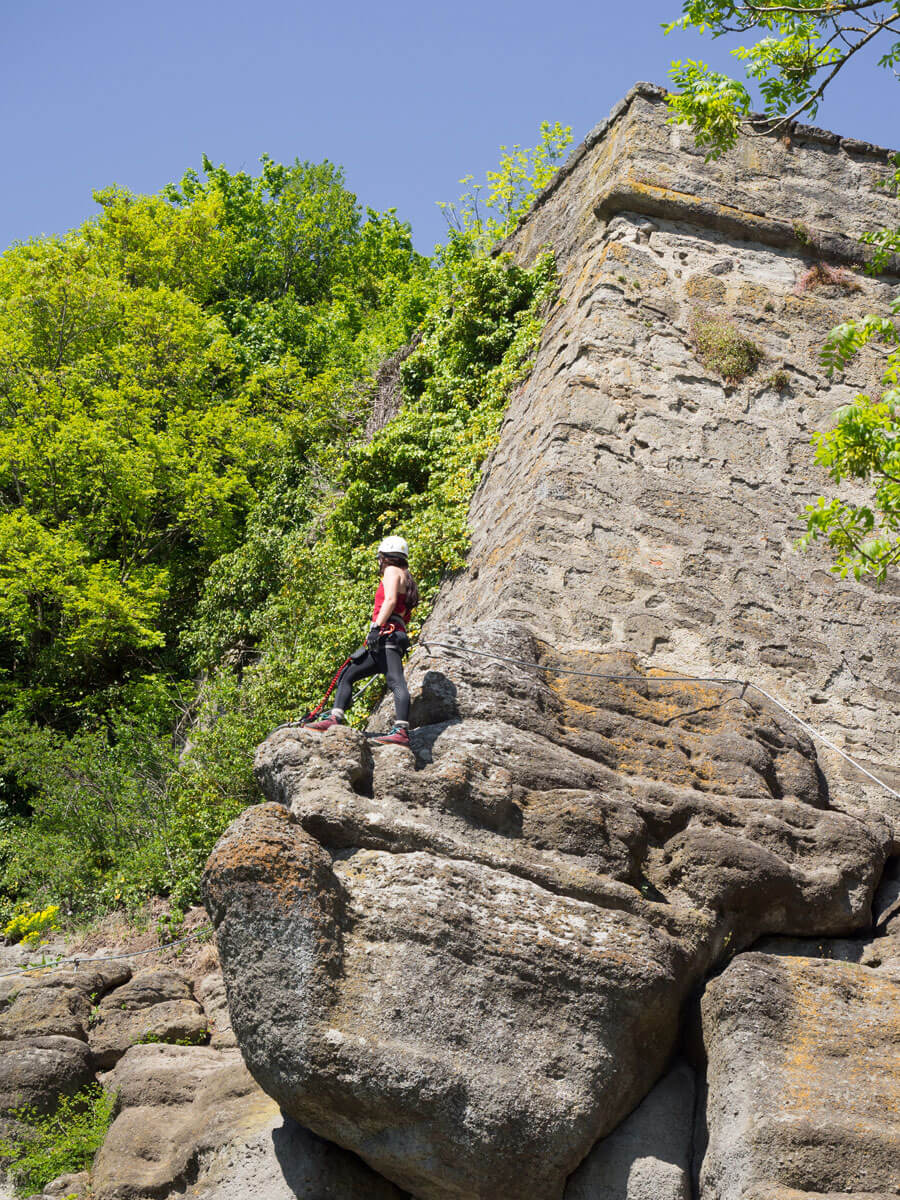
{"type": "Point", "coordinates": [186, 1117]}
{"type": "Point", "coordinates": [804, 1079]}
{"type": "Point", "coordinates": [469, 962]}
{"type": "Point", "coordinates": [191, 1116]}
{"type": "Point", "coordinates": [156, 1005]}
{"type": "Point", "coordinates": [35, 1071]}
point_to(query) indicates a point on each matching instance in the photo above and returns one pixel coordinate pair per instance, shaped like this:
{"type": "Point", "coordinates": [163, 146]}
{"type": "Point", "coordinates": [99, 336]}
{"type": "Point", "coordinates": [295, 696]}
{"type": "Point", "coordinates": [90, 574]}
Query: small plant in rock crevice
{"type": "Point", "coordinates": [802, 233]}
{"type": "Point", "coordinates": [199, 1038]}
{"type": "Point", "coordinates": [820, 274]}
{"type": "Point", "coordinates": [722, 348]}
{"type": "Point", "coordinates": [780, 380]}
{"type": "Point", "coordinates": [46, 1145]}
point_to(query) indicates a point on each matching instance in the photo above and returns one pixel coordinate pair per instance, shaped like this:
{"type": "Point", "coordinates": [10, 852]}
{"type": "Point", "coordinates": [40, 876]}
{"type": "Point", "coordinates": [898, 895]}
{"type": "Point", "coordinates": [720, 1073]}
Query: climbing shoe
{"type": "Point", "coordinates": [325, 723]}
{"type": "Point", "coordinates": [398, 736]}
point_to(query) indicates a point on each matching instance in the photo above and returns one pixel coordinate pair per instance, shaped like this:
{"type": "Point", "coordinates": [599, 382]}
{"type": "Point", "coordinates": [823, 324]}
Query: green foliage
{"type": "Point", "coordinates": [152, 366]}
{"type": "Point", "coordinates": [45, 1145]}
{"type": "Point", "coordinates": [886, 241]}
{"type": "Point", "coordinates": [864, 445]}
{"type": "Point", "coordinates": [27, 924]}
{"type": "Point", "coordinates": [95, 833]}
{"type": "Point", "coordinates": [200, 1038]}
{"type": "Point", "coordinates": [511, 190]}
{"type": "Point", "coordinates": [715, 105]}
{"type": "Point", "coordinates": [722, 348]}
{"type": "Point", "coordinates": [187, 487]}
{"type": "Point", "coordinates": [802, 45]}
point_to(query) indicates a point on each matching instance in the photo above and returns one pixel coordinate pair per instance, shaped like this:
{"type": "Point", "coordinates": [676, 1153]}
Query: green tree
{"type": "Point", "coordinates": [800, 48]}
{"type": "Point", "coordinates": [187, 487]}
{"type": "Point", "coordinates": [153, 365]}
{"type": "Point", "coordinates": [511, 189]}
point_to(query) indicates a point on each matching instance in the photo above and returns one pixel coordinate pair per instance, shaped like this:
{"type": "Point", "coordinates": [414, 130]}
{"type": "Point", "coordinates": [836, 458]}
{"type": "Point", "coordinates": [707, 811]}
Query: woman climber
{"type": "Point", "coordinates": [385, 645]}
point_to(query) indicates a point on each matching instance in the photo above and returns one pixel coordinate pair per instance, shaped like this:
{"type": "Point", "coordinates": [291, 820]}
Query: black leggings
{"type": "Point", "coordinates": [388, 661]}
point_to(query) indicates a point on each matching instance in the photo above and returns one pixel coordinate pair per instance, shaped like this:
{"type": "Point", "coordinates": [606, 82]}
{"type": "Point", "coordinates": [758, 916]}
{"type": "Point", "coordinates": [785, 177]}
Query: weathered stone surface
{"type": "Point", "coordinates": [283, 1161]}
{"type": "Point", "coordinates": [156, 1004]}
{"type": "Point", "coordinates": [463, 1030]}
{"type": "Point", "coordinates": [210, 992]}
{"type": "Point", "coordinates": [600, 790]}
{"type": "Point", "coordinates": [649, 1156]}
{"type": "Point", "coordinates": [60, 1002]}
{"type": "Point", "coordinates": [174, 1102]}
{"type": "Point", "coordinates": [687, 824]}
{"type": "Point", "coordinates": [804, 1079]}
{"type": "Point", "coordinates": [637, 501]}
{"type": "Point", "coordinates": [767, 1192]}
{"type": "Point", "coordinates": [190, 1118]}
{"type": "Point", "coordinates": [74, 1186]}
{"type": "Point", "coordinates": [35, 1071]}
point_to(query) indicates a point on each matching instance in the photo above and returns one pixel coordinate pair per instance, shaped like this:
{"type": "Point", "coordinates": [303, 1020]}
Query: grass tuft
{"type": "Point", "coordinates": [821, 275]}
{"type": "Point", "coordinates": [722, 348]}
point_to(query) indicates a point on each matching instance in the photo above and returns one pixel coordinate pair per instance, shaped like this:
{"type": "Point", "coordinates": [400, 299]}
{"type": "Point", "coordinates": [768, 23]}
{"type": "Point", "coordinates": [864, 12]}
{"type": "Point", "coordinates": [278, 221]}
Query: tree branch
{"type": "Point", "coordinates": [779, 123]}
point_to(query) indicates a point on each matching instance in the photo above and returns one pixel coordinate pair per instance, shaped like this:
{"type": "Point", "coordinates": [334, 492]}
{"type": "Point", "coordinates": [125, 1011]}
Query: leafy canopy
{"type": "Point", "coordinates": [191, 491]}
{"type": "Point", "coordinates": [511, 189]}
{"type": "Point", "coordinates": [153, 364]}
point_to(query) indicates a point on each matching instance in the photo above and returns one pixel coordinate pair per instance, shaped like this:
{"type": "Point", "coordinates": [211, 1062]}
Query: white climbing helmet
{"type": "Point", "coordinates": [394, 545]}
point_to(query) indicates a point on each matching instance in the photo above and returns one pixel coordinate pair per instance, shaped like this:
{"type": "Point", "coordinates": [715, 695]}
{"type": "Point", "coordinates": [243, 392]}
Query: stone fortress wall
{"type": "Point", "coordinates": [635, 500]}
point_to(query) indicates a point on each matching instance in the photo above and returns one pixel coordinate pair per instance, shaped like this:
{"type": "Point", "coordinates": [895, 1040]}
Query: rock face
{"type": "Point", "coordinates": [155, 1005]}
{"type": "Point", "coordinates": [188, 1119]}
{"type": "Point", "coordinates": [804, 1079]}
{"type": "Point", "coordinates": [469, 962]}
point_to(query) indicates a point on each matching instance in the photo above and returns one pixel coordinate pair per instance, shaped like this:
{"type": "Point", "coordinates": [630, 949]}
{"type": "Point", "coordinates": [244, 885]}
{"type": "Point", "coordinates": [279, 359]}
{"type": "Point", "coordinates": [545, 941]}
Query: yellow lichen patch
{"type": "Point", "coordinates": [708, 288]}
{"type": "Point", "coordinates": [841, 1061]}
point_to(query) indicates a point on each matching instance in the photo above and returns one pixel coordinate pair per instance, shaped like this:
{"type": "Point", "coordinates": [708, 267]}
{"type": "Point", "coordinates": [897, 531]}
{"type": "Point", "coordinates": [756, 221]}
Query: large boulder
{"type": "Point", "coordinates": [464, 1030]}
{"type": "Point", "coordinates": [803, 1079]}
{"type": "Point", "coordinates": [35, 1071]}
{"type": "Point", "coordinates": [466, 962]}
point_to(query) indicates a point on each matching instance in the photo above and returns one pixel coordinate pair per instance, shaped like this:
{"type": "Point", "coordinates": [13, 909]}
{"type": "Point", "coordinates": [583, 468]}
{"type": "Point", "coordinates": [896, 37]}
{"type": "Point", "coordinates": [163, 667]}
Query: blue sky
{"type": "Point", "coordinates": [407, 97]}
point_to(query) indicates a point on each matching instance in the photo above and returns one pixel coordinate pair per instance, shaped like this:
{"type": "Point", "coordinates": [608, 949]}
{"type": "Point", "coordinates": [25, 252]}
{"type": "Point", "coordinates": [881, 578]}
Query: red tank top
{"type": "Point", "coordinates": [400, 609]}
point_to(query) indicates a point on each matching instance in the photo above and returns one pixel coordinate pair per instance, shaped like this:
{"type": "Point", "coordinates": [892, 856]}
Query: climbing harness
{"type": "Point", "coordinates": [395, 625]}
{"type": "Point", "coordinates": [743, 684]}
